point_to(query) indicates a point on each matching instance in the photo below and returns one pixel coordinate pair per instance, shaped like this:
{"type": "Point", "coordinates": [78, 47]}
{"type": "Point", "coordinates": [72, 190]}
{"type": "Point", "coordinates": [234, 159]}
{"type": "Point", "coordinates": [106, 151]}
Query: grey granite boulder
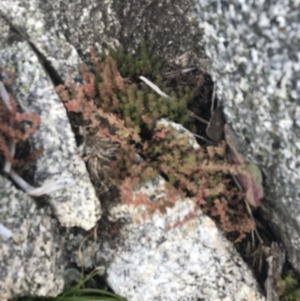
{"type": "Point", "coordinates": [173, 257]}
{"type": "Point", "coordinates": [62, 29]}
{"type": "Point", "coordinates": [254, 56]}
{"type": "Point", "coordinates": [30, 241]}
{"type": "Point", "coordinates": [76, 205]}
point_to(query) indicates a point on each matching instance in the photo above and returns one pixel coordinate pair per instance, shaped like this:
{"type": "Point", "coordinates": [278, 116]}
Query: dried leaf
{"type": "Point", "coordinates": [251, 178]}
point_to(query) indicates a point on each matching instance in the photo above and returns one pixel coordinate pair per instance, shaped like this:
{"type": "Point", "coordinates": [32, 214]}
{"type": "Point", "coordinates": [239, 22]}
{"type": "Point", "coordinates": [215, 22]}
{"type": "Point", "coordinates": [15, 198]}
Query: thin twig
{"type": "Point", "coordinates": [47, 188]}
{"type": "Point", "coordinates": [213, 99]}
{"type": "Point", "coordinates": [203, 138]}
{"type": "Point", "coordinates": [176, 72]}
{"type": "Point", "coordinates": [154, 87]}
{"type": "Point", "coordinates": [7, 163]}
{"type": "Point", "coordinates": [20, 181]}
{"type": "Point", "coordinates": [186, 70]}
{"type": "Point", "coordinates": [12, 146]}
{"type": "Point", "coordinates": [192, 114]}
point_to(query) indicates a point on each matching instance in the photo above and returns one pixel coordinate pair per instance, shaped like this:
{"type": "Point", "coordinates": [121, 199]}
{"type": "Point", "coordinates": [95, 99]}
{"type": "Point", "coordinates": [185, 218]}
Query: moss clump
{"type": "Point", "coordinates": [289, 287]}
{"type": "Point", "coordinates": [143, 63]}
{"type": "Point", "coordinates": [125, 95]}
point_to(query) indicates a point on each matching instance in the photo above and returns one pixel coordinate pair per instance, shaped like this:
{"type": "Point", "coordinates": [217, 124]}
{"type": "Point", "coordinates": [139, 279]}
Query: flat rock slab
{"type": "Point", "coordinates": [167, 258]}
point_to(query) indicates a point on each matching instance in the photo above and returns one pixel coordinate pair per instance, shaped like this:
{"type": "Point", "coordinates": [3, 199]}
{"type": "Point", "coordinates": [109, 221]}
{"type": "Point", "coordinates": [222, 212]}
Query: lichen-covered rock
{"type": "Point", "coordinates": [32, 260]}
{"type": "Point", "coordinates": [253, 48]}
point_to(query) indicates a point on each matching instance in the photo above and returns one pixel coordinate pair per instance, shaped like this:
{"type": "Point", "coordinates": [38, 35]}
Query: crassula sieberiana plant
{"type": "Point", "coordinates": [118, 112]}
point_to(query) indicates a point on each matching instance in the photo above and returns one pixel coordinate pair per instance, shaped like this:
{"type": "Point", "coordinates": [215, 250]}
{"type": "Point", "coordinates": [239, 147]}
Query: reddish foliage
{"type": "Point", "coordinates": [129, 197]}
{"type": "Point", "coordinates": [13, 129]}
{"type": "Point", "coordinates": [202, 174]}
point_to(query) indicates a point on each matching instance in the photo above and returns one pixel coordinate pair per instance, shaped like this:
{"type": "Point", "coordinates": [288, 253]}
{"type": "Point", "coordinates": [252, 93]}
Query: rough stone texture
{"type": "Point", "coordinates": [255, 60]}
{"type": "Point", "coordinates": [61, 29]}
{"type": "Point", "coordinates": [32, 261]}
{"type": "Point", "coordinates": [192, 261]}
{"type": "Point", "coordinates": [77, 205]}
{"type": "Point", "coordinates": [28, 22]}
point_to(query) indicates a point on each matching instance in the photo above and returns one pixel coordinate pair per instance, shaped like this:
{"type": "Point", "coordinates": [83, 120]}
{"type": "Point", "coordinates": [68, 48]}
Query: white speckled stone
{"type": "Point", "coordinates": [31, 261]}
{"type": "Point", "coordinates": [254, 53]}
{"type": "Point", "coordinates": [76, 205]}
{"type": "Point", "coordinates": [182, 263]}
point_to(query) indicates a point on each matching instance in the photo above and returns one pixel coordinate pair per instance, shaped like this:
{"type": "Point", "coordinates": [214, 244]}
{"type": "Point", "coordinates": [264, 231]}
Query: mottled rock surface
{"type": "Point", "coordinates": [61, 29]}
{"type": "Point", "coordinates": [77, 205]}
{"type": "Point", "coordinates": [255, 59]}
{"type": "Point", "coordinates": [189, 261]}
{"type": "Point", "coordinates": [32, 261]}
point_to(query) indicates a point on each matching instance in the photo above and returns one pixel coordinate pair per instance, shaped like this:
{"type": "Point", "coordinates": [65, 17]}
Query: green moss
{"type": "Point", "coordinates": [138, 102]}
{"type": "Point", "coordinates": [289, 287]}
{"type": "Point", "coordinates": [143, 63]}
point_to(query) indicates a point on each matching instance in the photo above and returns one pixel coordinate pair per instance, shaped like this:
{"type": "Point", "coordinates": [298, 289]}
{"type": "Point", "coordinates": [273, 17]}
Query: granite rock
{"type": "Point", "coordinates": [76, 205]}
{"type": "Point", "coordinates": [31, 260]}
{"type": "Point", "coordinates": [178, 256]}
{"type": "Point", "coordinates": [31, 251]}
{"type": "Point", "coordinates": [253, 49]}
